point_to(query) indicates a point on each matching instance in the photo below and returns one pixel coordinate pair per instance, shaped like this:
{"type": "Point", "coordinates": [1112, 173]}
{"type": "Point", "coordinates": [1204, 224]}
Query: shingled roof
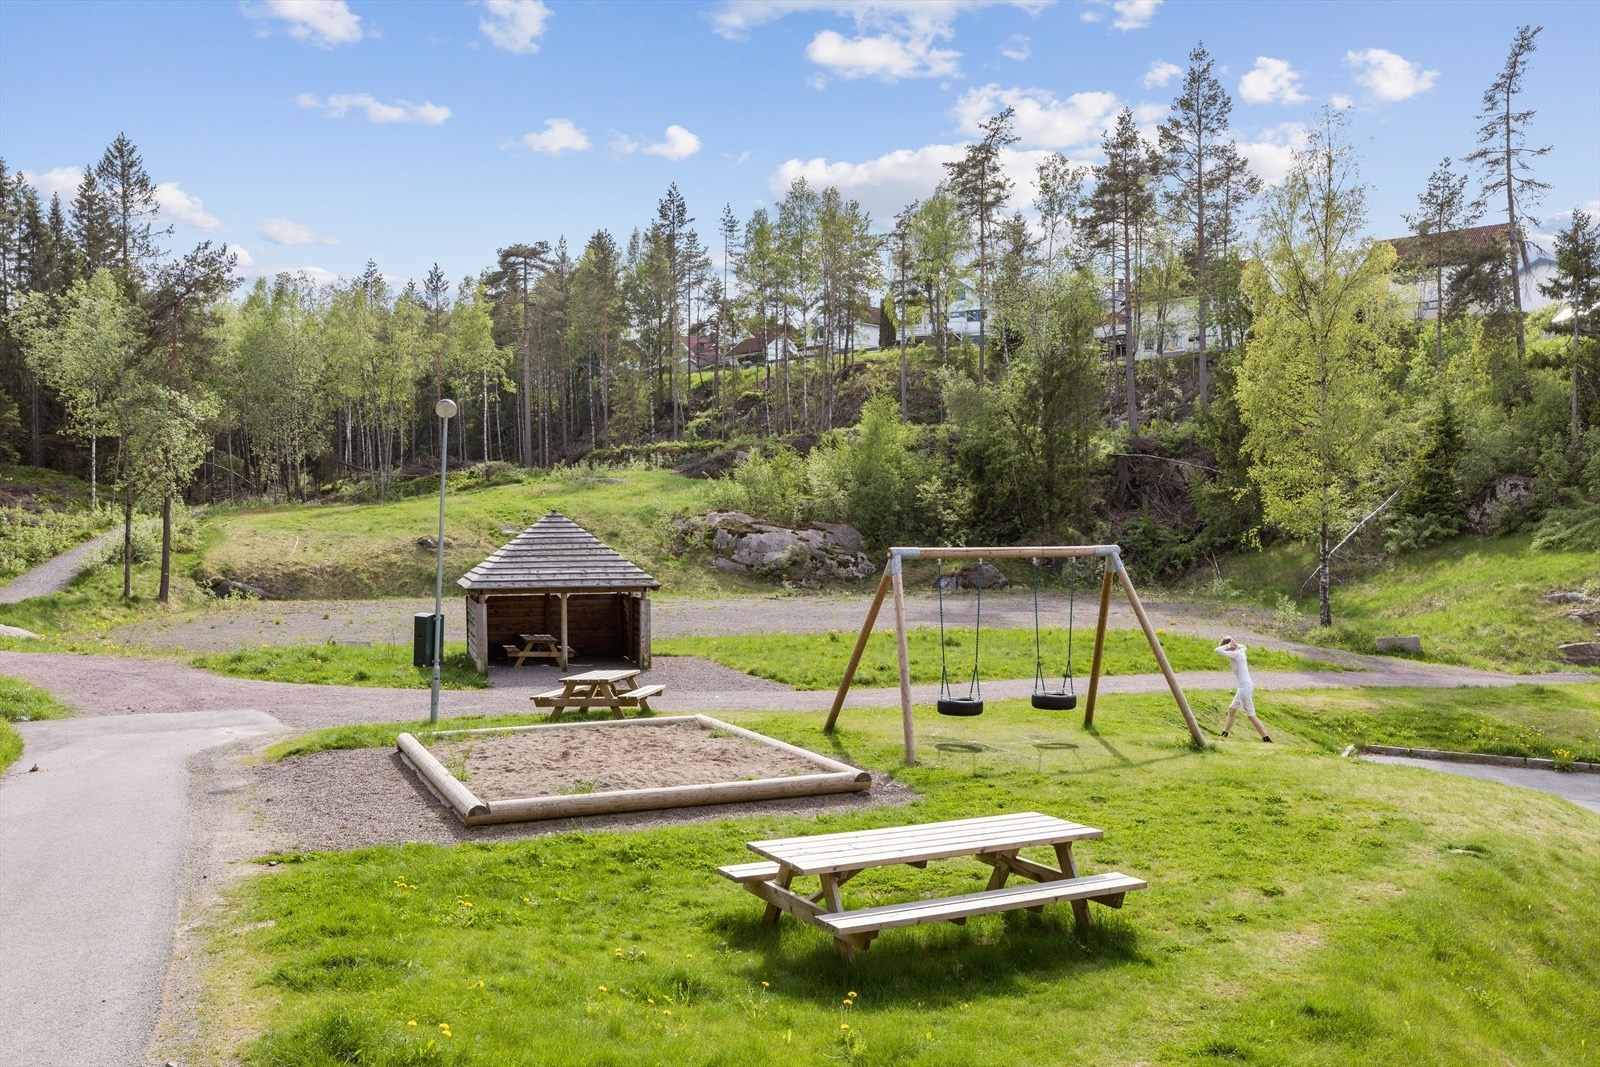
{"type": "Point", "coordinates": [554, 554]}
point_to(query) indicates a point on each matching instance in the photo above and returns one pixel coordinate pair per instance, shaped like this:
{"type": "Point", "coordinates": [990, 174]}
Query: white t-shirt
{"type": "Point", "coordinates": [1241, 668]}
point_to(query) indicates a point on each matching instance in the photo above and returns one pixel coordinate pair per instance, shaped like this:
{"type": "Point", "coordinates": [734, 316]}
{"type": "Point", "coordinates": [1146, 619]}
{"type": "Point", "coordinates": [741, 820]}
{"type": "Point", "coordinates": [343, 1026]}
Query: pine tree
{"type": "Point", "coordinates": [979, 184]}
{"type": "Point", "coordinates": [1194, 145]}
{"type": "Point", "coordinates": [1442, 212]}
{"type": "Point", "coordinates": [1505, 160]}
{"type": "Point", "coordinates": [672, 223]}
{"type": "Point", "coordinates": [513, 283]}
{"type": "Point", "coordinates": [1122, 201]}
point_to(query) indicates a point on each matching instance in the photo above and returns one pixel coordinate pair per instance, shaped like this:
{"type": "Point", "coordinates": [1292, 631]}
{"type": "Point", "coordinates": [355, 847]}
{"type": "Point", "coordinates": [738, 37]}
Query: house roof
{"type": "Point", "coordinates": [756, 342]}
{"type": "Point", "coordinates": [1471, 237]}
{"type": "Point", "coordinates": [555, 554]}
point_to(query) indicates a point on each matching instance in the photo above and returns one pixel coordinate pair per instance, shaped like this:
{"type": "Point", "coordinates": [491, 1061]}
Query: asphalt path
{"type": "Point", "coordinates": [1582, 789]}
{"type": "Point", "coordinates": [93, 844]}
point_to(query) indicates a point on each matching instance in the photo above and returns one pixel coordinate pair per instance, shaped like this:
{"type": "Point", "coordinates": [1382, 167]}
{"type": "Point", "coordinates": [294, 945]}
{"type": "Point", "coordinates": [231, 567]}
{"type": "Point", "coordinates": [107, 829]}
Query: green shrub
{"type": "Point", "coordinates": [1574, 529]}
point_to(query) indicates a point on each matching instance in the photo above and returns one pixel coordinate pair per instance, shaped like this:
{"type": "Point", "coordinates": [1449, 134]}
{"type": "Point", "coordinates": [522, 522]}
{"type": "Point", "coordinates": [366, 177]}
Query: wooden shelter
{"type": "Point", "coordinates": [556, 578]}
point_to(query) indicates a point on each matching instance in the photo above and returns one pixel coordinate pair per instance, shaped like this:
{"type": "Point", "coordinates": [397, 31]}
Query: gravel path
{"type": "Point", "coordinates": [53, 575]}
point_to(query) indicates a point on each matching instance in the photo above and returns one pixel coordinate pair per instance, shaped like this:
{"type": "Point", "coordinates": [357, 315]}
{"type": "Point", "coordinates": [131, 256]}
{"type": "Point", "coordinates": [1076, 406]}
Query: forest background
{"type": "Point", "coordinates": [1316, 394]}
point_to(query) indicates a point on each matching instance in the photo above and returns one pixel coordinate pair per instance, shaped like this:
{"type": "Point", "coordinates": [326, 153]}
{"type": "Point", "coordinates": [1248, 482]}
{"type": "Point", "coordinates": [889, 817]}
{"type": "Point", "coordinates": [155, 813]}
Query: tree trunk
{"type": "Point", "coordinates": [1515, 240]}
{"type": "Point", "coordinates": [165, 590]}
{"type": "Point", "coordinates": [1324, 582]}
{"type": "Point", "coordinates": [127, 543]}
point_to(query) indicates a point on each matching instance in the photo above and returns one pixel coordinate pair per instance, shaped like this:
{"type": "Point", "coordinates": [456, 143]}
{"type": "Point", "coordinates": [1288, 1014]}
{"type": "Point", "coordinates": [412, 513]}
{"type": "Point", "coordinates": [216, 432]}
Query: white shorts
{"type": "Point", "coordinates": [1244, 700]}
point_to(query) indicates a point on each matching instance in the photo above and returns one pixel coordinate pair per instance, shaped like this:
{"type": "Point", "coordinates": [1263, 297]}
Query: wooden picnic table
{"type": "Point", "coordinates": [834, 859]}
{"type": "Point", "coordinates": [615, 689]}
{"type": "Point", "coordinates": [537, 646]}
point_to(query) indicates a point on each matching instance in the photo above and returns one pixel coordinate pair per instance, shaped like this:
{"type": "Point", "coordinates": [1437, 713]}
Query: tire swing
{"type": "Point", "coordinates": [1065, 697]}
{"type": "Point", "coordinates": [949, 703]}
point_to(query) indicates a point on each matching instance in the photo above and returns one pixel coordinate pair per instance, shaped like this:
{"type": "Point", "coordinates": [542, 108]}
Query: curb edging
{"type": "Point", "coordinates": [1445, 756]}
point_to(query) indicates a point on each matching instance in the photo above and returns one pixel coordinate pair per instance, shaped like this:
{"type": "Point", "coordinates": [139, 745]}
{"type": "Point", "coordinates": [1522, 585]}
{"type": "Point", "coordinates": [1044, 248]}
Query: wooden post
{"type": "Point", "coordinates": [1099, 647]}
{"type": "Point", "coordinates": [855, 656]}
{"type": "Point", "coordinates": [563, 648]}
{"type": "Point", "coordinates": [1161, 657]}
{"type": "Point", "coordinates": [905, 662]}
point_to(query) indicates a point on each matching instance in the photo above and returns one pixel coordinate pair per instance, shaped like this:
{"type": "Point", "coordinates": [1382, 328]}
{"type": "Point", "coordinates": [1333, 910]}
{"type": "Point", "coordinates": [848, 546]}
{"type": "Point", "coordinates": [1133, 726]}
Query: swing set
{"type": "Point", "coordinates": [1062, 697]}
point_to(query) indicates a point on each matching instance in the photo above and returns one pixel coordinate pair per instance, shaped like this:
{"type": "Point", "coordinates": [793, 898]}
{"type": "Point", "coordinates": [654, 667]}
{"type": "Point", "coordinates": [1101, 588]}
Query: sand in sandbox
{"type": "Point", "coordinates": [553, 761]}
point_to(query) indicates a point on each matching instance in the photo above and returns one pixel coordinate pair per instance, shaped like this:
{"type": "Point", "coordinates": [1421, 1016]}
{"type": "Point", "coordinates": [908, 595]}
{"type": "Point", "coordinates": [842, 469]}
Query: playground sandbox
{"type": "Point", "coordinates": [559, 770]}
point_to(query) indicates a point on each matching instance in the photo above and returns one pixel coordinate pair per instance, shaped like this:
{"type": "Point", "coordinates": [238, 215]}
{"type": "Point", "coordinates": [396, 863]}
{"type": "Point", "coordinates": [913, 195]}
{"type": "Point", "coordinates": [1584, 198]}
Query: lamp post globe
{"type": "Point", "coordinates": [445, 409]}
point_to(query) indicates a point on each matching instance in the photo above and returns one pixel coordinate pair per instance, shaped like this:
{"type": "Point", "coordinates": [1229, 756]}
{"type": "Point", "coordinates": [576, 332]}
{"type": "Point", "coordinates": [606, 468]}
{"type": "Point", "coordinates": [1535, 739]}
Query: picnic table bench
{"type": "Point", "coordinates": [537, 646]}
{"type": "Point", "coordinates": [598, 689]}
{"type": "Point", "coordinates": [996, 840]}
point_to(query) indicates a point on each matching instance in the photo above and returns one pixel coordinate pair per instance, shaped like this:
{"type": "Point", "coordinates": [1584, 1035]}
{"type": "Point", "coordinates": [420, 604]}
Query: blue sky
{"type": "Point", "coordinates": [318, 134]}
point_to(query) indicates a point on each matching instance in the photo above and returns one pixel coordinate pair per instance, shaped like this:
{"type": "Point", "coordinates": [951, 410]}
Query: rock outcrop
{"type": "Point", "coordinates": [746, 545]}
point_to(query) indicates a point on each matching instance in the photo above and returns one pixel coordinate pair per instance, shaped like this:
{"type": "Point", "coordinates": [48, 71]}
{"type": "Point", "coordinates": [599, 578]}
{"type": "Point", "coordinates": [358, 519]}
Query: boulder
{"type": "Point", "coordinates": [1399, 644]}
{"type": "Point", "coordinates": [1591, 615]}
{"type": "Point", "coordinates": [1509, 491]}
{"type": "Point", "coordinates": [983, 576]}
{"type": "Point", "coordinates": [17, 631]}
{"type": "Point", "coordinates": [431, 543]}
{"type": "Point", "coordinates": [1564, 598]}
{"type": "Point", "coordinates": [744, 544]}
{"type": "Point", "coordinates": [1581, 653]}
{"type": "Point", "coordinates": [226, 587]}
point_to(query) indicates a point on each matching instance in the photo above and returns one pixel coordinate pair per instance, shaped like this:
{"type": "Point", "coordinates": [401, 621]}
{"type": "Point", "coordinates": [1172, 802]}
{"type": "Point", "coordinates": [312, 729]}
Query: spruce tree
{"type": "Point", "coordinates": [1577, 281]}
{"type": "Point", "coordinates": [1442, 212]}
{"type": "Point", "coordinates": [93, 234]}
{"type": "Point", "coordinates": [130, 198]}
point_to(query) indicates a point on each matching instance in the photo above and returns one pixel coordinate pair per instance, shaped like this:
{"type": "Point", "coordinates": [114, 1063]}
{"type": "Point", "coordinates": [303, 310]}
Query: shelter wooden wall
{"type": "Point", "coordinates": [599, 625]}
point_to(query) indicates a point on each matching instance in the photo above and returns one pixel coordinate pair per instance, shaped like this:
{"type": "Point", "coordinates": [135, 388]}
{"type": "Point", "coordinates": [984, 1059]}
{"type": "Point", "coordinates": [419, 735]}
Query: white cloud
{"type": "Point", "coordinates": [894, 39]}
{"type": "Point", "coordinates": [559, 136]}
{"type": "Point", "coordinates": [1341, 102]}
{"type": "Point", "coordinates": [324, 23]}
{"type": "Point", "coordinates": [1272, 154]}
{"type": "Point", "coordinates": [337, 105]}
{"type": "Point", "coordinates": [186, 208]}
{"type": "Point", "coordinates": [1160, 73]}
{"type": "Point", "coordinates": [1388, 76]}
{"type": "Point", "coordinates": [284, 232]}
{"type": "Point", "coordinates": [1017, 47]}
{"type": "Point", "coordinates": [1130, 14]}
{"type": "Point", "coordinates": [245, 260]}
{"type": "Point", "coordinates": [1040, 119]}
{"type": "Point", "coordinates": [57, 181]}
{"type": "Point", "coordinates": [888, 183]}
{"type": "Point", "coordinates": [1271, 79]}
{"type": "Point", "coordinates": [514, 25]}
{"type": "Point", "coordinates": [883, 57]}
{"type": "Point", "coordinates": [314, 275]}
{"type": "Point", "coordinates": [678, 144]}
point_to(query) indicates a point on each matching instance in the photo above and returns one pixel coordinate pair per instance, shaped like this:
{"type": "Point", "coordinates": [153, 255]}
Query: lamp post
{"type": "Point", "coordinates": [446, 410]}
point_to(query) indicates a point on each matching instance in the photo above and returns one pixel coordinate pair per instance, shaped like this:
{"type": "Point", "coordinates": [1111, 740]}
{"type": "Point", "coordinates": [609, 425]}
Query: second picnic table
{"type": "Point", "coordinates": [615, 689]}
{"type": "Point", "coordinates": [994, 839]}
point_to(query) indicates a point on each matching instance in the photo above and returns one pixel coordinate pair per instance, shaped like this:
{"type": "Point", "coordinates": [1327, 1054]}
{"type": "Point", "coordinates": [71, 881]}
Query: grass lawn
{"type": "Point", "coordinates": [817, 661]}
{"type": "Point", "coordinates": [19, 701]}
{"type": "Point", "coordinates": [384, 666]}
{"type": "Point", "coordinates": [1475, 601]}
{"type": "Point", "coordinates": [1302, 909]}
{"type": "Point", "coordinates": [370, 550]}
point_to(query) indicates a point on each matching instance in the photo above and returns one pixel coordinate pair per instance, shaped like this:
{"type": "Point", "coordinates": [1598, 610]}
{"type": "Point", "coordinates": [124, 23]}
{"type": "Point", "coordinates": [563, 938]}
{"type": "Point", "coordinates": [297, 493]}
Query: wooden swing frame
{"type": "Point", "coordinates": [891, 581]}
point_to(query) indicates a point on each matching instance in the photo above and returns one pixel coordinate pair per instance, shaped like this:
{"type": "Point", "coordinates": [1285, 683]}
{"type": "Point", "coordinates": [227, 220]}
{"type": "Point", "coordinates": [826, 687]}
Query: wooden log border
{"type": "Point", "coordinates": [834, 777]}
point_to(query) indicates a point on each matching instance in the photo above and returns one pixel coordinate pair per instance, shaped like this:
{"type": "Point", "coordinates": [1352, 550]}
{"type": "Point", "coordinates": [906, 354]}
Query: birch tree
{"type": "Point", "coordinates": [1311, 390]}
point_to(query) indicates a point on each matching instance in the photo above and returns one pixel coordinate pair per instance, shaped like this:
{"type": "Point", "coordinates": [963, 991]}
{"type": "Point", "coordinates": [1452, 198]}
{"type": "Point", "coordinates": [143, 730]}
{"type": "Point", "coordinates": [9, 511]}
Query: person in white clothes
{"type": "Point", "coordinates": [1244, 696]}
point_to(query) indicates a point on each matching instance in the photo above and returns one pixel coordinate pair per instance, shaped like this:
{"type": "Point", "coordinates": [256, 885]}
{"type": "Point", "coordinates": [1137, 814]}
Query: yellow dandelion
{"type": "Point", "coordinates": [603, 989]}
{"type": "Point", "coordinates": [851, 994]}
{"type": "Point", "coordinates": [650, 1000]}
{"type": "Point", "coordinates": [666, 1011]}
{"type": "Point", "coordinates": [480, 983]}
{"type": "Point", "coordinates": [848, 1002]}
{"type": "Point", "coordinates": [412, 1022]}
{"type": "Point", "coordinates": [766, 985]}
{"type": "Point", "coordinates": [844, 1026]}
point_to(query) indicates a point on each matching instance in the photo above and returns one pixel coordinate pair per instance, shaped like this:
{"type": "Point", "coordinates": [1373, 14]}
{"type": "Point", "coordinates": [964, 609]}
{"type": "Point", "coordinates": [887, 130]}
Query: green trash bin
{"type": "Point", "coordinates": [426, 629]}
